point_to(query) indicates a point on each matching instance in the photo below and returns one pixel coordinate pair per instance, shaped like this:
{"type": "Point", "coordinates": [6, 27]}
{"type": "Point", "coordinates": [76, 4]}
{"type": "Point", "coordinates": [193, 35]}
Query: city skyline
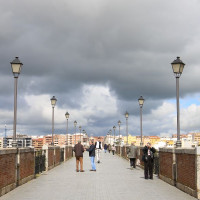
{"type": "Point", "coordinates": [97, 58]}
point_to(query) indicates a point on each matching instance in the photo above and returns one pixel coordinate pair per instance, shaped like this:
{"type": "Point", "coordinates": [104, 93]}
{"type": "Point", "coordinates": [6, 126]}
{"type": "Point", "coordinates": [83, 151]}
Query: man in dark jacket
{"type": "Point", "coordinates": [105, 147]}
{"type": "Point", "coordinates": [92, 155]}
{"type": "Point", "coordinates": [78, 149]}
{"type": "Point", "coordinates": [148, 158]}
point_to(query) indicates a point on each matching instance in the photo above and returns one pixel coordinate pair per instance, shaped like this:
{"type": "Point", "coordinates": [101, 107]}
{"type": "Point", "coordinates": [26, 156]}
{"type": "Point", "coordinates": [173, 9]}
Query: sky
{"type": "Point", "coordinates": [97, 57]}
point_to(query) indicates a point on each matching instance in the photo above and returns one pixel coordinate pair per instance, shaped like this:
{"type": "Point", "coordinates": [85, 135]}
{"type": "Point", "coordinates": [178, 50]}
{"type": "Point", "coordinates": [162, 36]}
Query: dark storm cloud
{"type": "Point", "coordinates": [131, 50]}
{"type": "Point", "coordinates": [126, 45]}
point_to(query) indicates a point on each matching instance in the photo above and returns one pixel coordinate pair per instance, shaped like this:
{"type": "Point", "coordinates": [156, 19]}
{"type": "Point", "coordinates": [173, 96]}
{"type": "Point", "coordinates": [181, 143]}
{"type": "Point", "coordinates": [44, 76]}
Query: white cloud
{"type": "Point", "coordinates": [95, 101]}
{"type": "Point", "coordinates": [166, 109]}
{"type": "Point", "coordinates": [190, 118]}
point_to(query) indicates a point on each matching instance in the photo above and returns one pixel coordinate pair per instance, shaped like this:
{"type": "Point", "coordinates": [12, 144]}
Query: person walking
{"type": "Point", "coordinates": [148, 159]}
{"type": "Point", "coordinates": [113, 149]}
{"type": "Point", "coordinates": [92, 155]}
{"type": "Point", "coordinates": [98, 146]}
{"type": "Point", "coordinates": [109, 148]}
{"type": "Point", "coordinates": [78, 149]}
{"type": "Point", "coordinates": [132, 152]}
{"type": "Point", "coordinates": [105, 147]}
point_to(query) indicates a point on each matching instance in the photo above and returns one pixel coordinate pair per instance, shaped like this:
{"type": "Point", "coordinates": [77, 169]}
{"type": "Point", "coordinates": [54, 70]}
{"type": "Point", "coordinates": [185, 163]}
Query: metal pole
{"type": "Point", "coordinates": [141, 143]}
{"type": "Point", "coordinates": [114, 135]}
{"type": "Point", "coordinates": [75, 135]}
{"type": "Point", "coordinates": [14, 144]}
{"type": "Point", "coordinates": [5, 141]}
{"type": "Point", "coordinates": [80, 134]}
{"type": "Point", "coordinates": [52, 125]}
{"type": "Point", "coordinates": [127, 130]}
{"type": "Point", "coordinates": [178, 143]}
{"type": "Point", "coordinates": [67, 133]}
{"type": "Point", "coordinates": [119, 136]}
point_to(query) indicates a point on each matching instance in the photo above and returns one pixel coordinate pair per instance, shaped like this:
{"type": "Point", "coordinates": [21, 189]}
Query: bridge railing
{"type": "Point", "coordinates": [20, 165]}
{"type": "Point", "coordinates": [62, 154]}
{"type": "Point", "coordinates": [179, 167]}
{"type": "Point", "coordinates": [40, 157]}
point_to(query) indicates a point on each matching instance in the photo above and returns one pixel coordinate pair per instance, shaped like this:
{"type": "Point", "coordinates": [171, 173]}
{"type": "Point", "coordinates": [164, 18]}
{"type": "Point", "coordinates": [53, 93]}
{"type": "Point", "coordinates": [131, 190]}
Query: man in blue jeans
{"type": "Point", "coordinates": [92, 156]}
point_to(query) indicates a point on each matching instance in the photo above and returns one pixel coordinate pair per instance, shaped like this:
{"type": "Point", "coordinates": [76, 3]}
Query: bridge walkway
{"type": "Point", "coordinates": [113, 180]}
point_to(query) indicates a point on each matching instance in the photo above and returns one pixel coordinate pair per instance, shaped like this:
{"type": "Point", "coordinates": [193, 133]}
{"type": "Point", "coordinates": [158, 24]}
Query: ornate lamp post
{"type": "Point", "coordinates": [141, 102]}
{"type": "Point", "coordinates": [114, 128]}
{"type": "Point", "coordinates": [177, 66]}
{"type": "Point", "coordinates": [80, 132]}
{"type": "Point", "coordinates": [126, 116]}
{"type": "Point", "coordinates": [16, 66]}
{"type": "Point", "coordinates": [53, 103]}
{"type": "Point", "coordinates": [67, 117]}
{"type": "Point", "coordinates": [75, 123]}
{"type": "Point", "coordinates": [119, 123]}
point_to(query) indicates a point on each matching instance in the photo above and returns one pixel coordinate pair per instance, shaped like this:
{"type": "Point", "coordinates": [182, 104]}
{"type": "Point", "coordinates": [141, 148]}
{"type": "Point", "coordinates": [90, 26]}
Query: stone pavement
{"type": "Point", "coordinates": [114, 180]}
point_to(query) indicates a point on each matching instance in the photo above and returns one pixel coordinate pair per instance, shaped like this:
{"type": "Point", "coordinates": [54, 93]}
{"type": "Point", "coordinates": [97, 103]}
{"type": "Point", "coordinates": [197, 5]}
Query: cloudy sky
{"type": "Point", "coordinates": [97, 57]}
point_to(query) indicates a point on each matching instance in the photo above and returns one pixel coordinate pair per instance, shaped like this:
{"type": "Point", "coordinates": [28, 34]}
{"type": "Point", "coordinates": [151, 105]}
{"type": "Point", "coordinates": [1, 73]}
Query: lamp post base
{"type": "Point", "coordinates": [141, 144]}
{"type": "Point", "coordinates": [178, 144]}
{"type": "Point", "coordinates": [14, 144]}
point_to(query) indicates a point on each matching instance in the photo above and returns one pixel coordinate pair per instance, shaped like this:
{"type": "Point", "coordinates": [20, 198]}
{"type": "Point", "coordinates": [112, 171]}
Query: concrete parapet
{"type": "Point", "coordinates": [8, 151]}
{"type": "Point", "coordinates": [170, 150]}
{"type": "Point", "coordinates": [185, 151]}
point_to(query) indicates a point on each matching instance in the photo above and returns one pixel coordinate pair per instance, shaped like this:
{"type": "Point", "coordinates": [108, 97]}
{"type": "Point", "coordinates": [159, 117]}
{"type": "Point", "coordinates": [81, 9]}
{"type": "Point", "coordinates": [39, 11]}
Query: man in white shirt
{"type": "Point", "coordinates": [98, 146]}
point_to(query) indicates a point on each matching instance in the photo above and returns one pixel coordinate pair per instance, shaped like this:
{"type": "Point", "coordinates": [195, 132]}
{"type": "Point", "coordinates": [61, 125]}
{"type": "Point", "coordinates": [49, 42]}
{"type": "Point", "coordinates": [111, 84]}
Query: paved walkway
{"type": "Point", "coordinates": [114, 180]}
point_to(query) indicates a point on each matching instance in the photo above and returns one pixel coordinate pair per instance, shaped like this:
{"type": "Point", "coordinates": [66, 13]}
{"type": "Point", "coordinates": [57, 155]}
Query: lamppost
{"type": "Point", "coordinates": [114, 128]}
{"type": "Point", "coordinates": [119, 123]}
{"type": "Point", "coordinates": [5, 140]}
{"type": "Point", "coordinates": [16, 66]}
{"type": "Point", "coordinates": [110, 131]}
{"type": "Point", "coordinates": [53, 103]}
{"type": "Point", "coordinates": [177, 66]}
{"type": "Point", "coordinates": [67, 117]}
{"type": "Point", "coordinates": [141, 102]}
{"type": "Point", "coordinates": [80, 132]}
{"type": "Point", "coordinates": [75, 123]}
{"type": "Point", "coordinates": [126, 116]}
{"type": "Point", "coordinates": [84, 136]}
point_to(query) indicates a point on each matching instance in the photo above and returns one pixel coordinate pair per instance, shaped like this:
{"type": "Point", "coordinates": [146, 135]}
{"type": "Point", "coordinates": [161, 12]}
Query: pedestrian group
{"type": "Point", "coordinates": [132, 154]}
{"type": "Point", "coordinates": [94, 150]}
